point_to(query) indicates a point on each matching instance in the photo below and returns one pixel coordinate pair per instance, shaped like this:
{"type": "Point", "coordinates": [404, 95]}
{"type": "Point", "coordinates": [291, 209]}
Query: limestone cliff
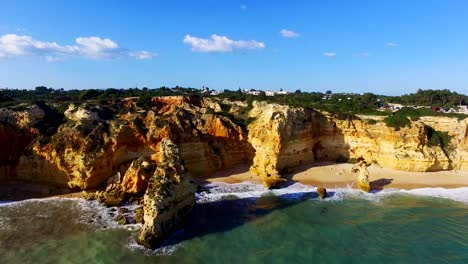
{"type": "Point", "coordinates": [284, 137]}
{"type": "Point", "coordinates": [124, 151]}
{"type": "Point", "coordinates": [96, 143]}
{"type": "Point", "coordinates": [91, 147]}
{"type": "Point", "coordinates": [169, 197]}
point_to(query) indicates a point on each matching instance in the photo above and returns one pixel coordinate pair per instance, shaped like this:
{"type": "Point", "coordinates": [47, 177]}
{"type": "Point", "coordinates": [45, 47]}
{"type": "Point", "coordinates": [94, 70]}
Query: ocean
{"type": "Point", "coordinates": [243, 223]}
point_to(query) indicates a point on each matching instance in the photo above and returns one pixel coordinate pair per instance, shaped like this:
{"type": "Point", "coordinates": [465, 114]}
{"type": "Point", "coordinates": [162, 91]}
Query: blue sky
{"type": "Point", "coordinates": [385, 47]}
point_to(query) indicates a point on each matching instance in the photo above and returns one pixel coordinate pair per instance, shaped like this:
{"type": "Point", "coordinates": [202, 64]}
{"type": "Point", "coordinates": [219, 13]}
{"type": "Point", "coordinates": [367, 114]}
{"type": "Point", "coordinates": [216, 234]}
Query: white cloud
{"type": "Point", "coordinates": [95, 47]}
{"type": "Point", "coordinates": [289, 33]}
{"type": "Point", "coordinates": [221, 44]}
{"type": "Point", "coordinates": [329, 54]}
{"type": "Point", "coordinates": [12, 45]}
{"type": "Point", "coordinates": [392, 44]}
{"type": "Point", "coordinates": [142, 55]}
{"type": "Point", "coordinates": [53, 59]}
{"type": "Point", "coordinates": [362, 54]}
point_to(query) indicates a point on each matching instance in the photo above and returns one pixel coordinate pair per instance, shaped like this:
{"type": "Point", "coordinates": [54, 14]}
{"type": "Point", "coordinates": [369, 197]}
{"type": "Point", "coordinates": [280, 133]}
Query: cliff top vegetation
{"type": "Point", "coordinates": [343, 105]}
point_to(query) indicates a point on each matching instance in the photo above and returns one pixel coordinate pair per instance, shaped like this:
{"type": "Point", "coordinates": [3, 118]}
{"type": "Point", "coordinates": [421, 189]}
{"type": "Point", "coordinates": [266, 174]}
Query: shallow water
{"type": "Point", "coordinates": [243, 223]}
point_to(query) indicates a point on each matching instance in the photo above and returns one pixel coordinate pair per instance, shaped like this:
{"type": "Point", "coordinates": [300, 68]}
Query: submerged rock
{"type": "Point", "coordinates": [121, 219]}
{"type": "Point", "coordinates": [123, 210]}
{"type": "Point", "coordinates": [169, 197]}
{"type": "Point", "coordinates": [322, 192]}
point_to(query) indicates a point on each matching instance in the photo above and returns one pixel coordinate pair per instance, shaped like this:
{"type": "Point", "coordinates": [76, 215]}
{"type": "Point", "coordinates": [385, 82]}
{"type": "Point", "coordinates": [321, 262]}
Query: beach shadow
{"type": "Point", "coordinates": [225, 215]}
{"type": "Point", "coordinates": [22, 190]}
{"type": "Point", "coordinates": [378, 185]}
{"type": "Point", "coordinates": [289, 173]}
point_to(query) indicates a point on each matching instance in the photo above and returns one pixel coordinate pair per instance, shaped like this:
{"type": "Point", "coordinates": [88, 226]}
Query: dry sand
{"type": "Point", "coordinates": [340, 175]}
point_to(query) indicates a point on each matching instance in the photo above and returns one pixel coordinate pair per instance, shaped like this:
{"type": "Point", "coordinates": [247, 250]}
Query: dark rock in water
{"type": "Point", "coordinates": [322, 192]}
{"type": "Point", "coordinates": [113, 209]}
{"type": "Point", "coordinates": [139, 215]}
{"type": "Point", "coordinates": [122, 220]}
{"type": "Point", "coordinates": [123, 210]}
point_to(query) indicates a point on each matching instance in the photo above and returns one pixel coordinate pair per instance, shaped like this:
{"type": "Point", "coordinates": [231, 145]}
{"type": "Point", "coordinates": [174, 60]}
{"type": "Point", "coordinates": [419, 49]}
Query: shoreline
{"type": "Point", "coordinates": [331, 175]}
{"type": "Point", "coordinates": [320, 174]}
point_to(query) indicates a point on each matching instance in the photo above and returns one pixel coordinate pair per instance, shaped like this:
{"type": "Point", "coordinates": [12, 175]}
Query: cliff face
{"type": "Point", "coordinates": [88, 148]}
{"type": "Point", "coordinates": [93, 145]}
{"type": "Point", "coordinates": [407, 149]}
{"type": "Point", "coordinates": [285, 137]}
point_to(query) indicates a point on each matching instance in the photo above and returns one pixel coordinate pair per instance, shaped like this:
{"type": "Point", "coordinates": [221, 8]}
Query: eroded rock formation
{"type": "Point", "coordinates": [169, 197]}
{"type": "Point", "coordinates": [363, 174]}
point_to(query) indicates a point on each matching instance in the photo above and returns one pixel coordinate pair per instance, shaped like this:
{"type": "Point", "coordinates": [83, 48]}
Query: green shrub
{"type": "Point", "coordinates": [225, 107]}
{"type": "Point", "coordinates": [144, 101]}
{"type": "Point", "coordinates": [371, 122]}
{"type": "Point", "coordinates": [397, 121]}
{"type": "Point", "coordinates": [89, 94]}
{"type": "Point", "coordinates": [438, 138]}
{"type": "Point", "coordinates": [210, 111]}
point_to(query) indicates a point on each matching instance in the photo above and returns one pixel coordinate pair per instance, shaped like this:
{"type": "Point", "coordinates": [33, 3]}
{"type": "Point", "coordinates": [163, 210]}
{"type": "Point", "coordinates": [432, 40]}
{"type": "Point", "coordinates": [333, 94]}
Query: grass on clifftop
{"type": "Point", "coordinates": [402, 117]}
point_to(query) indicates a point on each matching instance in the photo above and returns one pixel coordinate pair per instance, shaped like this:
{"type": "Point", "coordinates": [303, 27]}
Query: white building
{"type": "Point", "coordinates": [273, 93]}
{"type": "Point", "coordinates": [463, 109]}
{"type": "Point", "coordinates": [252, 92]}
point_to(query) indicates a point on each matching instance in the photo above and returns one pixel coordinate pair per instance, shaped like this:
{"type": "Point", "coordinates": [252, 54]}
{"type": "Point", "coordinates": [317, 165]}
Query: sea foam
{"type": "Point", "coordinates": [219, 191]}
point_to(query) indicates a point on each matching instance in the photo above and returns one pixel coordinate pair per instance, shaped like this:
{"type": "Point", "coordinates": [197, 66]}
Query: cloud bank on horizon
{"type": "Point", "coordinates": [13, 45]}
{"type": "Point", "coordinates": [221, 44]}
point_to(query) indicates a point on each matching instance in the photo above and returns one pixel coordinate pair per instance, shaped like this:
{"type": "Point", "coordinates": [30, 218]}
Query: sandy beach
{"type": "Point", "coordinates": [340, 175]}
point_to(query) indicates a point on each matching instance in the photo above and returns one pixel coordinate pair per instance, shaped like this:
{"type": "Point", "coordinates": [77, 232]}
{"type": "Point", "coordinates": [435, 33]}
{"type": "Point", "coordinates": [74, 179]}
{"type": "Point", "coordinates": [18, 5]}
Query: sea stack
{"type": "Point", "coordinates": [363, 176]}
{"type": "Point", "coordinates": [169, 197]}
{"type": "Point", "coordinates": [322, 192]}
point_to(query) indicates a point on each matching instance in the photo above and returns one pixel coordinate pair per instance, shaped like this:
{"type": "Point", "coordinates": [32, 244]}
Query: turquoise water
{"type": "Point", "coordinates": [242, 224]}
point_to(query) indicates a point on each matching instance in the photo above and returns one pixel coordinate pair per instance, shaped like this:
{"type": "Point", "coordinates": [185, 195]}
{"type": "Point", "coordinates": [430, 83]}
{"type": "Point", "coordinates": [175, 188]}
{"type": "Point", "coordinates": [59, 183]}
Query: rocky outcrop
{"type": "Point", "coordinates": [137, 175]}
{"type": "Point", "coordinates": [169, 197]}
{"type": "Point", "coordinates": [322, 192]}
{"type": "Point", "coordinates": [89, 149]}
{"type": "Point", "coordinates": [285, 137]}
{"type": "Point", "coordinates": [407, 149]}
{"type": "Point", "coordinates": [363, 175]}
